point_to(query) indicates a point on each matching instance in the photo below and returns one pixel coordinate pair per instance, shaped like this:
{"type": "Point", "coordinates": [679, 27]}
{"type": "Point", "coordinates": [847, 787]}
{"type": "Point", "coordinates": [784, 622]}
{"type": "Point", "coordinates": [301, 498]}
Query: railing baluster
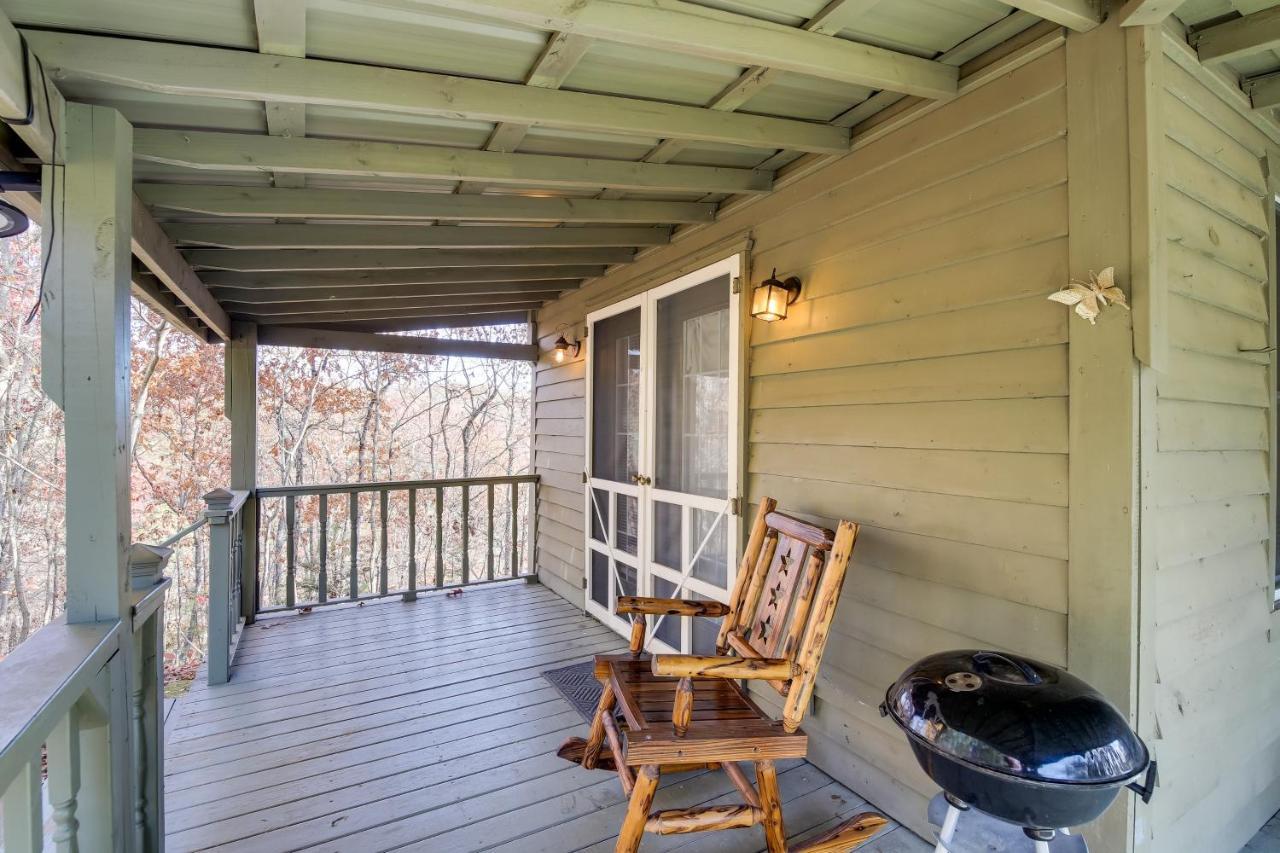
{"type": "Point", "coordinates": [413, 546]}
{"type": "Point", "coordinates": [515, 528]}
{"type": "Point", "coordinates": [23, 811]}
{"type": "Point", "coordinates": [466, 534]}
{"type": "Point", "coordinates": [439, 537]}
{"type": "Point", "coordinates": [63, 747]}
{"type": "Point", "coordinates": [488, 554]}
{"type": "Point", "coordinates": [354, 504]}
{"type": "Point", "coordinates": [290, 547]}
{"type": "Point", "coordinates": [382, 569]}
{"type": "Point", "coordinates": [322, 583]}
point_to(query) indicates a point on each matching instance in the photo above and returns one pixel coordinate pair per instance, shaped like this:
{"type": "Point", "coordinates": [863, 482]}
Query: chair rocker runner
{"type": "Point", "coordinates": [670, 713]}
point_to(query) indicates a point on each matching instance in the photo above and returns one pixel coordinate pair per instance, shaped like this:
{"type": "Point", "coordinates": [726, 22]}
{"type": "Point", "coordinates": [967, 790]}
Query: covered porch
{"type": "Point", "coordinates": [369, 175]}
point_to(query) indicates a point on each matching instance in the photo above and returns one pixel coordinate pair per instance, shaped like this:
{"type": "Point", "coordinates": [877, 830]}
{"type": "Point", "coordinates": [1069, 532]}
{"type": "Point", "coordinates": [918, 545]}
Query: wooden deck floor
{"type": "Point", "coordinates": [425, 726]}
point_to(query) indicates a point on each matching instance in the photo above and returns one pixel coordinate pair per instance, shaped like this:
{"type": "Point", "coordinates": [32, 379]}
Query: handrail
{"type": "Point", "coordinates": [282, 541]}
{"type": "Point", "coordinates": [43, 677]}
{"type": "Point", "coordinates": [185, 532]}
{"type": "Point", "coordinates": [224, 503]}
{"type": "Point", "coordinates": [382, 485]}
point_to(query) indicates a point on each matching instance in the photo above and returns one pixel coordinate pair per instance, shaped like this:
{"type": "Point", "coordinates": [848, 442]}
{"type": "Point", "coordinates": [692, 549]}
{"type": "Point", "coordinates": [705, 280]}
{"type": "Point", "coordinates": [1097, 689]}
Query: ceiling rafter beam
{"type": "Point", "coordinates": [239, 75]}
{"type": "Point", "coordinates": [154, 248]}
{"type": "Point", "coordinates": [1263, 92]}
{"type": "Point", "coordinates": [694, 30]}
{"type": "Point", "coordinates": [1078, 15]}
{"type": "Point", "coordinates": [342, 204]}
{"type": "Point", "coordinates": [1238, 38]}
{"type": "Point", "coordinates": [1146, 13]}
{"type": "Point", "coordinates": [322, 236]}
{"type": "Point", "coordinates": [391, 291]}
{"type": "Point", "coordinates": [417, 324]}
{"type": "Point", "coordinates": [238, 152]}
{"type": "Point", "coordinates": [397, 313]}
{"type": "Point", "coordinates": [362, 303]}
{"type": "Point", "coordinates": [288, 260]}
{"type": "Point", "coordinates": [290, 336]}
{"type": "Point", "coordinates": [282, 31]}
{"type": "Point", "coordinates": [361, 278]}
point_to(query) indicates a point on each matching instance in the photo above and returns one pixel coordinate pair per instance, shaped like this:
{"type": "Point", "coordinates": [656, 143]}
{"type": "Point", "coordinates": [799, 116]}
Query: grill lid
{"type": "Point", "coordinates": [1015, 716]}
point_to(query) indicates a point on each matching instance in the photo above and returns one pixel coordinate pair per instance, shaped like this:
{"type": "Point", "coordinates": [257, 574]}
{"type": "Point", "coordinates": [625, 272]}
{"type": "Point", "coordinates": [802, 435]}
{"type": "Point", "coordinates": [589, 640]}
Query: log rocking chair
{"type": "Point", "coordinates": [671, 713]}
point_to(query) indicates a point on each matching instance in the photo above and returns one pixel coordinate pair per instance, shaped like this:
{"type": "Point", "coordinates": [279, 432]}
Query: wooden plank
{"type": "Point", "coordinates": [342, 204]}
{"type": "Point", "coordinates": [288, 260]}
{"type": "Point", "coordinates": [153, 247]}
{"type": "Point", "coordinates": [1148, 291]}
{"type": "Point", "coordinates": [364, 342]}
{"type": "Point", "coordinates": [687, 28]}
{"type": "Point", "coordinates": [290, 310]}
{"type": "Point", "coordinates": [321, 236]}
{"type": "Point", "coordinates": [236, 75]}
{"type": "Point", "coordinates": [241, 396]}
{"type": "Point", "coordinates": [1145, 13]}
{"type": "Point", "coordinates": [473, 315]}
{"type": "Point", "coordinates": [238, 152]}
{"type": "Point", "coordinates": [360, 278]}
{"type": "Point", "coordinates": [267, 296]}
{"type": "Point", "coordinates": [1238, 38]}
{"type": "Point", "coordinates": [1078, 15]}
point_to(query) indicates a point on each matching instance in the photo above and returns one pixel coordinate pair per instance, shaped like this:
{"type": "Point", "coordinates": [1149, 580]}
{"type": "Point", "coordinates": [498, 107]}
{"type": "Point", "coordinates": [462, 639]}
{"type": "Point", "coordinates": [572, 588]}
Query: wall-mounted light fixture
{"type": "Point", "coordinates": [771, 297]}
{"type": "Point", "coordinates": [563, 347]}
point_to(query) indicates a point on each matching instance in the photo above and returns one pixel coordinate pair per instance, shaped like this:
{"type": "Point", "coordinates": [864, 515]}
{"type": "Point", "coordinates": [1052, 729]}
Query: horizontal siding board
{"type": "Point", "coordinates": [1028, 426]}
{"type": "Point", "coordinates": [1192, 175]}
{"type": "Point", "coordinates": [1195, 376]}
{"type": "Point", "coordinates": [1183, 589]}
{"type": "Point", "coordinates": [1186, 127]}
{"type": "Point", "coordinates": [1000, 524]}
{"type": "Point", "coordinates": [1027, 477]}
{"type": "Point", "coordinates": [1035, 372]}
{"type": "Point", "coordinates": [1208, 476]}
{"type": "Point", "coordinates": [1210, 426]}
{"type": "Point", "coordinates": [1203, 279]}
{"type": "Point", "coordinates": [1022, 323]}
{"type": "Point", "coordinates": [1205, 230]}
{"type": "Point", "coordinates": [1213, 111]}
{"type": "Point", "coordinates": [1193, 532]}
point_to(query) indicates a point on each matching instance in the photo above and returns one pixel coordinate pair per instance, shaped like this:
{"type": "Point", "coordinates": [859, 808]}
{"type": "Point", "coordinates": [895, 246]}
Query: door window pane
{"type": "Point", "coordinates": [626, 517]}
{"type": "Point", "coordinates": [712, 564]}
{"type": "Point", "coordinates": [615, 424]}
{"type": "Point", "coordinates": [599, 512]}
{"type": "Point", "coordinates": [599, 578]}
{"type": "Point", "coordinates": [692, 382]}
{"type": "Point", "coordinates": [666, 534]}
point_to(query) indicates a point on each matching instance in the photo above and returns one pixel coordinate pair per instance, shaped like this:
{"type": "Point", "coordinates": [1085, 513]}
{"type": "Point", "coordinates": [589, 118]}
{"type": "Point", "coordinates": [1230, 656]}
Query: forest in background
{"type": "Point", "coordinates": [324, 417]}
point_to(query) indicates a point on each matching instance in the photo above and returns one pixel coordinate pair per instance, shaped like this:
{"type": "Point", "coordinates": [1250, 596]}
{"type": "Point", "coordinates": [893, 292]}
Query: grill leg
{"type": "Point", "coordinates": [948, 829]}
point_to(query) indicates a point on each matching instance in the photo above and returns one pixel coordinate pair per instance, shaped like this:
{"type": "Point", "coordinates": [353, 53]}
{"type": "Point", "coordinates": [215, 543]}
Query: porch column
{"type": "Point", "coordinates": [85, 370]}
{"type": "Point", "coordinates": [242, 409]}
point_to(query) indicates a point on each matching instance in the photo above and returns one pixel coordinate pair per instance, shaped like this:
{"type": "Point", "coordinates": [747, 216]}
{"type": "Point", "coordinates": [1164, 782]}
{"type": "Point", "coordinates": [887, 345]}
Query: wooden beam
{"type": "Point", "coordinates": [240, 394]}
{"type": "Point", "coordinates": [366, 278]}
{"type": "Point", "coordinates": [153, 247]}
{"type": "Point", "coordinates": [149, 289]}
{"type": "Point", "coordinates": [1145, 13]}
{"type": "Point", "coordinates": [1263, 92]}
{"type": "Point", "coordinates": [267, 295]}
{"type": "Point", "coordinates": [288, 336]}
{"type": "Point", "coordinates": [1246, 36]}
{"type": "Point", "coordinates": [321, 236]}
{"type": "Point", "coordinates": [238, 75]}
{"type": "Point", "coordinates": [240, 152]}
{"type": "Point", "coordinates": [417, 324]}
{"type": "Point", "coordinates": [345, 204]}
{"type": "Point", "coordinates": [282, 31]}
{"type": "Point", "coordinates": [288, 260]}
{"type": "Point", "coordinates": [694, 30]}
{"type": "Point", "coordinates": [398, 313]}
{"type": "Point", "coordinates": [360, 303]}
{"type": "Point", "coordinates": [1078, 15]}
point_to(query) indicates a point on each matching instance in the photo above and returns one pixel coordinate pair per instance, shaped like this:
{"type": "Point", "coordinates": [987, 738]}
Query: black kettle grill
{"type": "Point", "coordinates": [1018, 739]}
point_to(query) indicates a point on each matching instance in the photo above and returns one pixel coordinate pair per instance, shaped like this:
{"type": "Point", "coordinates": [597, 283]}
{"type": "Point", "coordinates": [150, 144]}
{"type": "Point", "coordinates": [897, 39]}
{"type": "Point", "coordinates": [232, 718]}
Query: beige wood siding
{"type": "Point", "coordinates": [1211, 673]}
{"type": "Point", "coordinates": [919, 387]}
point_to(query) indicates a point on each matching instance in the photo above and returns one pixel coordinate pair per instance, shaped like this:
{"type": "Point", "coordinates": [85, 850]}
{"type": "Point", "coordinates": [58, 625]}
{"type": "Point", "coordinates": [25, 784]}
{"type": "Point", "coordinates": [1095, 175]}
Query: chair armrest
{"type": "Point", "coordinates": [694, 666]}
{"type": "Point", "coordinates": [668, 607]}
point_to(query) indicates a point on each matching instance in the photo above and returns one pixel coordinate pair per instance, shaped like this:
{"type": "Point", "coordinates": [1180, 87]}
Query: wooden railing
{"type": "Point", "coordinates": [225, 514]}
{"type": "Point", "coordinates": [81, 716]}
{"type": "Point", "coordinates": [388, 561]}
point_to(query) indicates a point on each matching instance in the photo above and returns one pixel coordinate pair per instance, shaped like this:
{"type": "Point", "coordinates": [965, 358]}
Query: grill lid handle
{"type": "Point", "coordinates": [1149, 783]}
{"type": "Point", "coordinates": [983, 661]}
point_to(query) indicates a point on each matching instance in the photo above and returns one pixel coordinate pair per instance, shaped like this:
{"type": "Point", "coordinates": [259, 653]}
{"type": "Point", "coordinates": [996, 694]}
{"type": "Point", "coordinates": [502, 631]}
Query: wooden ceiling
{"type": "Point", "coordinates": [391, 164]}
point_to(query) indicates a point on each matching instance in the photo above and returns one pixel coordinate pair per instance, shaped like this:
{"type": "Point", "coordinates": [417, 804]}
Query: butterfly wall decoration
{"type": "Point", "coordinates": [1090, 297]}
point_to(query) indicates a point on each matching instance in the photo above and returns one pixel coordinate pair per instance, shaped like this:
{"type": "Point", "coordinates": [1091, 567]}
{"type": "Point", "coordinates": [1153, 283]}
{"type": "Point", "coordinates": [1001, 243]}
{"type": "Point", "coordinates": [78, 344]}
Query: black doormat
{"type": "Point", "coordinates": [578, 685]}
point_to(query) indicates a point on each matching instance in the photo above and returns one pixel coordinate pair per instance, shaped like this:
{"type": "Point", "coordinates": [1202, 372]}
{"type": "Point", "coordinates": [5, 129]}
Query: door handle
{"type": "Point", "coordinates": [641, 480]}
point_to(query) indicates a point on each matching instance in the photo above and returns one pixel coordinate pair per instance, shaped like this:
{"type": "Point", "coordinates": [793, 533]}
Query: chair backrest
{"type": "Point", "coordinates": [785, 596]}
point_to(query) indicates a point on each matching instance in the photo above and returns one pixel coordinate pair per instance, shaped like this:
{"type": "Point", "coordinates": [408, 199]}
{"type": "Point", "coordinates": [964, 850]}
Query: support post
{"type": "Point", "coordinates": [85, 370]}
{"type": "Point", "coordinates": [242, 408]}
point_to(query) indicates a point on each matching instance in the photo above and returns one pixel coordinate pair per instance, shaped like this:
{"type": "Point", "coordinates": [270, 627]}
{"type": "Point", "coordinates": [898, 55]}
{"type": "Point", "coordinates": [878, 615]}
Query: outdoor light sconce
{"type": "Point", "coordinates": [562, 347]}
{"type": "Point", "coordinates": [771, 297]}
